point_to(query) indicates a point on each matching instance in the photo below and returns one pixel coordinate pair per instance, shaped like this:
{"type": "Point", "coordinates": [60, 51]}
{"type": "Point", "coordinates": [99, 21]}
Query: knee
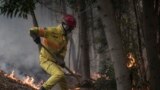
{"type": "Point", "coordinates": [59, 74]}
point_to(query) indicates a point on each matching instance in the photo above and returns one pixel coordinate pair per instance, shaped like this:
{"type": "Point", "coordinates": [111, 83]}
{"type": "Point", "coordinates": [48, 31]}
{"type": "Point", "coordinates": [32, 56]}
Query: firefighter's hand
{"type": "Point", "coordinates": [62, 65]}
{"type": "Point", "coordinates": [61, 62]}
{"type": "Point", "coordinates": [33, 32]}
{"type": "Point", "coordinates": [37, 40]}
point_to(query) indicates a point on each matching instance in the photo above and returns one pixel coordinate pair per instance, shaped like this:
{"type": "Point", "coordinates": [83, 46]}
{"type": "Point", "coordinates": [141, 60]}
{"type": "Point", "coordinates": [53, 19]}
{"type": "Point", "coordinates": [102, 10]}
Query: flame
{"type": "Point", "coordinates": [11, 76]}
{"type": "Point", "coordinates": [132, 61]}
{"type": "Point", "coordinates": [27, 80]}
{"type": "Point", "coordinates": [30, 81]}
{"type": "Point", "coordinates": [95, 75]}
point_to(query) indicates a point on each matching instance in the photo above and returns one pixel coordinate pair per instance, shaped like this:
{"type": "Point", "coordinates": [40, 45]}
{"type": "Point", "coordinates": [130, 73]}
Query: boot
{"type": "Point", "coordinates": [42, 88]}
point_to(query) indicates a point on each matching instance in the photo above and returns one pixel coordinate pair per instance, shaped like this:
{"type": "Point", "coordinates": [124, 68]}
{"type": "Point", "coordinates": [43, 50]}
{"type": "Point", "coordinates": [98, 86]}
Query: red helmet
{"type": "Point", "coordinates": [69, 20]}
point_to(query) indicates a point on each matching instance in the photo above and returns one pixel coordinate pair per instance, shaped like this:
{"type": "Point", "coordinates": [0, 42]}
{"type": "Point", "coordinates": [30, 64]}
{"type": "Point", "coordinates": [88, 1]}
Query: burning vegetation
{"type": "Point", "coordinates": [11, 82]}
{"type": "Point", "coordinates": [131, 61]}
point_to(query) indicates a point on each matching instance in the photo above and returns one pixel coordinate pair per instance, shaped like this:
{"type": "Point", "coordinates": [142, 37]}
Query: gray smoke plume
{"type": "Point", "coordinates": [17, 50]}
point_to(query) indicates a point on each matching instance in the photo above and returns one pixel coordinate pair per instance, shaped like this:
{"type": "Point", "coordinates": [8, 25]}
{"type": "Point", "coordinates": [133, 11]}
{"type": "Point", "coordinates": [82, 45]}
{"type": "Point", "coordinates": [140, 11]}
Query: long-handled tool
{"type": "Point", "coordinates": [35, 23]}
{"type": "Point", "coordinates": [86, 83]}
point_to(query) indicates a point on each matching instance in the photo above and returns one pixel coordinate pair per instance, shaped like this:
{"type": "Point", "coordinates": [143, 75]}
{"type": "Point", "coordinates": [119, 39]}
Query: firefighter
{"type": "Point", "coordinates": [55, 40]}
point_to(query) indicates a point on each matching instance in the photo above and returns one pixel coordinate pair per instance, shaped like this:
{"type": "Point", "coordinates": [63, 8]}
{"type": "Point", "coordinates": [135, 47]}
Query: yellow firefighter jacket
{"type": "Point", "coordinates": [52, 38]}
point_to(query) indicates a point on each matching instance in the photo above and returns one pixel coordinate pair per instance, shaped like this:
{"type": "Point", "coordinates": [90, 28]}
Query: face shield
{"type": "Point", "coordinates": [66, 28]}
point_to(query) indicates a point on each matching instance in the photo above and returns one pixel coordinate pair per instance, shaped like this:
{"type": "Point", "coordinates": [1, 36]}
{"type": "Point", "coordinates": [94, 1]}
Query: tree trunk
{"type": "Point", "coordinates": [158, 38]}
{"type": "Point", "coordinates": [93, 60]}
{"type": "Point", "coordinates": [72, 53]}
{"type": "Point", "coordinates": [115, 45]}
{"type": "Point", "coordinates": [150, 37]}
{"type": "Point", "coordinates": [84, 41]}
{"type": "Point", "coordinates": [142, 64]}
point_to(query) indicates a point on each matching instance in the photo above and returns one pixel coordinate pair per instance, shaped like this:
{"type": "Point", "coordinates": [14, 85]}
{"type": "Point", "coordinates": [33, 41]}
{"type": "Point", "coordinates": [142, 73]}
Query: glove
{"type": "Point", "coordinates": [33, 31]}
{"type": "Point", "coordinates": [61, 62]}
{"type": "Point", "coordinates": [37, 40]}
{"type": "Point", "coordinates": [34, 36]}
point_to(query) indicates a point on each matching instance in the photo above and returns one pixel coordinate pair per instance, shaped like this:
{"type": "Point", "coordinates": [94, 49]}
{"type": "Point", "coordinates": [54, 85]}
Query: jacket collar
{"type": "Point", "coordinates": [60, 29]}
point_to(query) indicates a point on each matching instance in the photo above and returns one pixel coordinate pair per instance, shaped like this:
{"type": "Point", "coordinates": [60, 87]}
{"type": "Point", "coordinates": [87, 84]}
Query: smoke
{"type": "Point", "coordinates": [17, 50]}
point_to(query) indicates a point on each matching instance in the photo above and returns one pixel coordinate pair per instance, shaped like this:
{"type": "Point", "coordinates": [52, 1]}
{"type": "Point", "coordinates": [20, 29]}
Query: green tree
{"type": "Point", "coordinates": [19, 8]}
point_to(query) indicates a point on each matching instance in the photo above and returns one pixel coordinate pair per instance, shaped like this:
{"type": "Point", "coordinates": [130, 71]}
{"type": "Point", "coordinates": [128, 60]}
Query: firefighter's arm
{"type": "Point", "coordinates": [41, 32]}
{"type": "Point", "coordinates": [61, 56]}
{"type": "Point", "coordinates": [37, 31]}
